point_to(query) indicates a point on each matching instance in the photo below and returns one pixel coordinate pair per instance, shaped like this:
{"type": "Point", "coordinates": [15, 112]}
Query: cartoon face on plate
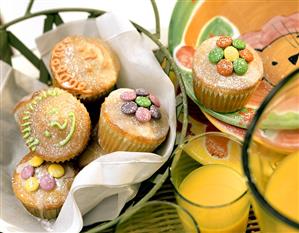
{"type": "Point", "coordinates": [281, 57]}
{"type": "Point", "coordinates": [278, 44]}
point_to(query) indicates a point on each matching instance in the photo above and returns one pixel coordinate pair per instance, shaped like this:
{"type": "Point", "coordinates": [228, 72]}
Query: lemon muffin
{"type": "Point", "coordinates": [132, 120]}
{"type": "Point", "coordinates": [85, 67]}
{"type": "Point", "coordinates": [42, 187]}
{"type": "Point", "coordinates": [226, 72]}
{"type": "Point", "coordinates": [54, 124]}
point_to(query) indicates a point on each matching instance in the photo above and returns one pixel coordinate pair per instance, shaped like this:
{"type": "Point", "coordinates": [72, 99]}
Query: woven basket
{"type": "Point", "coordinates": [52, 17]}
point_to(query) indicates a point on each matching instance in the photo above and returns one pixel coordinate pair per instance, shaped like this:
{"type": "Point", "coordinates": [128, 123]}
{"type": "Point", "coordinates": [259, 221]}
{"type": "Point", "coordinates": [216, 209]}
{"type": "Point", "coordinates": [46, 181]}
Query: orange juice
{"type": "Point", "coordinates": [282, 191]}
{"type": "Point", "coordinates": [217, 198]}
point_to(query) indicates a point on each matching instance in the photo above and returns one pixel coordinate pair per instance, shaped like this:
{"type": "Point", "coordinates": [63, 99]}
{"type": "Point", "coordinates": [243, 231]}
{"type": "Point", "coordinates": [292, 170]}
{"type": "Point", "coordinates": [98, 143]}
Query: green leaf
{"type": "Point", "coordinates": [17, 44]}
{"type": "Point", "coordinates": [178, 23]}
{"type": "Point", "coordinates": [44, 75]}
{"type": "Point", "coordinates": [5, 50]}
{"type": "Point", "coordinates": [216, 27]}
{"type": "Point", "coordinates": [234, 118]}
{"type": "Point", "coordinates": [48, 23]}
{"type": "Point", "coordinates": [58, 20]}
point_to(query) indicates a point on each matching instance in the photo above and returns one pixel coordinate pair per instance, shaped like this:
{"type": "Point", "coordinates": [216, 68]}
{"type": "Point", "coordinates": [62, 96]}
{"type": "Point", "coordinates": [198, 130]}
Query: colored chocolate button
{"type": "Point", "coordinates": [128, 95]}
{"type": "Point", "coordinates": [129, 107]}
{"type": "Point", "coordinates": [143, 101]}
{"type": "Point", "coordinates": [27, 172]}
{"type": "Point", "coordinates": [56, 170]}
{"type": "Point", "coordinates": [155, 100]}
{"type": "Point", "coordinates": [141, 92]}
{"type": "Point", "coordinates": [143, 114]}
{"type": "Point", "coordinates": [47, 183]}
{"type": "Point", "coordinates": [31, 184]}
{"type": "Point", "coordinates": [155, 112]}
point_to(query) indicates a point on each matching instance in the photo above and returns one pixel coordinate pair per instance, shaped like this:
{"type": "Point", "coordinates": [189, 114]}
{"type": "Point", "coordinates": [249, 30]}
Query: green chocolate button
{"type": "Point", "coordinates": [143, 101]}
{"type": "Point", "coordinates": [240, 66]}
{"type": "Point", "coordinates": [239, 44]}
{"type": "Point", "coordinates": [216, 55]}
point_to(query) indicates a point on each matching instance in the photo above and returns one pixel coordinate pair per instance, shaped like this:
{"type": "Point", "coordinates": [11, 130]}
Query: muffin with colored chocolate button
{"type": "Point", "coordinates": [54, 124]}
{"type": "Point", "coordinates": [226, 72]}
{"type": "Point", "coordinates": [132, 120]}
{"type": "Point", "coordinates": [83, 66]}
{"type": "Point", "coordinates": [41, 186]}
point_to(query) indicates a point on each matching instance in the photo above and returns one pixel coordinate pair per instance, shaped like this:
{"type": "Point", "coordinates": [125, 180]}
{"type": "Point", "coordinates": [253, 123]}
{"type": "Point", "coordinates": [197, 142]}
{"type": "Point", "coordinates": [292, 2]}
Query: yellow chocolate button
{"type": "Point", "coordinates": [31, 184]}
{"type": "Point", "coordinates": [231, 53]}
{"type": "Point", "coordinates": [56, 170]}
{"type": "Point", "coordinates": [36, 161]}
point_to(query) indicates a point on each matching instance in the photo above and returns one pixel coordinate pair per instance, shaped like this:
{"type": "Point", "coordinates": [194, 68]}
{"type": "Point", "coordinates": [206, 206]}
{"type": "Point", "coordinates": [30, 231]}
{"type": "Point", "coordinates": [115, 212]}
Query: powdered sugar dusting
{"type": "Point", "coordinates": [207, 72]}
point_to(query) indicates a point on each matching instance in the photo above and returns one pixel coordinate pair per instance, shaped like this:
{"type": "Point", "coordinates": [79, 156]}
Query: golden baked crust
{"type": "Point", "coordinates": [216, 91]}
{"type": "Point", "coordinates": [117, 125]}
{"type": "Point", "coordinates": [40, 201]}
{"type": "Point", "coordinates": [85, 67]}
{"type": "Point", "coordinates": [54, 124]}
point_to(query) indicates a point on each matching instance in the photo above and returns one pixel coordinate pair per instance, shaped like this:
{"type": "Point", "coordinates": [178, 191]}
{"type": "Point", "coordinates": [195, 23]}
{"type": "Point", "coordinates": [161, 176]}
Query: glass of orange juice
{"type": "Point", "coordinates": [271, 158]}
{"type": "Point", "coordinates": [208, 182]}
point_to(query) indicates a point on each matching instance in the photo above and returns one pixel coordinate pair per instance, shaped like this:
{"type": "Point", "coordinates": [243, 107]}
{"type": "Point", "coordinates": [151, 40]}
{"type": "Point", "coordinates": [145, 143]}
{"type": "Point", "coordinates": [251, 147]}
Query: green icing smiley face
{"type": "Point", "coordinates": [69, 122]}
{"type": "Point", "coordinates": [62, 126]}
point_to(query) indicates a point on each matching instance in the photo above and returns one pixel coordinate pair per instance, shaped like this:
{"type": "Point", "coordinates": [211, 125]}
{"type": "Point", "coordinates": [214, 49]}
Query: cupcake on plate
{"type": "Point", "coordinates": [54, 124]}
{"type": "Point", "coordinates": [226, 72]}
{"type": "Point", "coordinates": [42, 187]}
{"type": "Point", "coordinates": [85, 67]}
{"type": "Point", "coordinates": [132, 120]}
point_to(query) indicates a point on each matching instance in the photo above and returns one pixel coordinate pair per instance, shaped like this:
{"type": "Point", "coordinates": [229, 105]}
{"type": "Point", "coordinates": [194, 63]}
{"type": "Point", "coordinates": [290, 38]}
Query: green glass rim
{"type": "Point", "coordinates": [173, 205]}
{"type": "Point", "coordinates": [245, 156]}
{"type": "Point", "coordinates": [219, 134]}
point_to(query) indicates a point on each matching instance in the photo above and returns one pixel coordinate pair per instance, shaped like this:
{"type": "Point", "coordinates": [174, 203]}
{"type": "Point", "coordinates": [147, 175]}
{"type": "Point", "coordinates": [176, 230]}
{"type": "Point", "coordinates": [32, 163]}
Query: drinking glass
{"type": "Point", "coordinates": [271, 158]}
{"type": "Point", "coordinates": [208, 182]}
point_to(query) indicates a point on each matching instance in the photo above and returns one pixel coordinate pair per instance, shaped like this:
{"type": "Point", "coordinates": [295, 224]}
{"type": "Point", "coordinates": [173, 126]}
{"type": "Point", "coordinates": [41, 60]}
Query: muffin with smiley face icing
{"type": "Point", "coordinates": [41, 186]}
{"type": "Point", "coordinates": [54, 124]}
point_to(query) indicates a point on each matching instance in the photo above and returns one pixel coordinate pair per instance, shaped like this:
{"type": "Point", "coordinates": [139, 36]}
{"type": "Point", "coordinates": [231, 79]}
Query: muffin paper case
{"type": "Point", "coordinates": [102, 188]}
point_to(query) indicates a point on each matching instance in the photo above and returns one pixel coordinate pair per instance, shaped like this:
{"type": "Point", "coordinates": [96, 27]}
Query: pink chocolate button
{"type": "Point", "coordinates": [27, 172]}
{"type": "Point", "coordinates": [143, 114]}
{"type": "Point", "coordinates": [47, 183]}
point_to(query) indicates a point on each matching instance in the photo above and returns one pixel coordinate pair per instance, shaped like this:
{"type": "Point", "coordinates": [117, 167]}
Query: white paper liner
{"type": "Point", "coordinates": [102, 188]}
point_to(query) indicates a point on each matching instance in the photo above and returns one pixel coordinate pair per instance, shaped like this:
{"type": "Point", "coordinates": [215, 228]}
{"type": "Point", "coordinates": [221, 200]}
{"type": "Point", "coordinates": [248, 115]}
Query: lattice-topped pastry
{"type": "Point", "coordinates": [42, 186]}
{"type": "Point", "coordinates": [85, 67]}
{"type": "Point", "coordinates": [54, 124]}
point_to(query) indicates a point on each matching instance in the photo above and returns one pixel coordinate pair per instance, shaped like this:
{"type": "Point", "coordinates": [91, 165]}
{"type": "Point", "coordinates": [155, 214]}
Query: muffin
{"type": "Point", "coordinates": [42, 187]}
{"type": "Point", "coordinates": [85, 67]}
{"type": "Point", "coordinates": [225, 73]}
{"type": "Point", "coordinates": [54, 124]}
{"type": "Point", "coordinates": [92, 151]}
{"type": "Point", "coordinates": [132, 120]}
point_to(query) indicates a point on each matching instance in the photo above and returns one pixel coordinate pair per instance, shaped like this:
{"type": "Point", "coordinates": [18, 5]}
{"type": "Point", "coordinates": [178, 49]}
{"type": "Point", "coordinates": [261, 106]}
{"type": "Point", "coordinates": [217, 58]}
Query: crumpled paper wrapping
{"type": "Point", "coordinates": [102, 188]}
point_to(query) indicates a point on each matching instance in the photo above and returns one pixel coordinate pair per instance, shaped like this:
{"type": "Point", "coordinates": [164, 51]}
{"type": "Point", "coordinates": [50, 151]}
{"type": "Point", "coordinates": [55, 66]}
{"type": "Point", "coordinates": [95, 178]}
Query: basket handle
{"type": "Point", "coordinates": [157, 18]}
{"type": "Point", "coordinates": [153, 2]}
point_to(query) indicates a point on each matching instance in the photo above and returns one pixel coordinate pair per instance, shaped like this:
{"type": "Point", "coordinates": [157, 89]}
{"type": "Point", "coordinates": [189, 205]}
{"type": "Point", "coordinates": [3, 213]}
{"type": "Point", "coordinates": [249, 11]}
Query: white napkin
{"type": "Point", "coordinates": [102, 188]}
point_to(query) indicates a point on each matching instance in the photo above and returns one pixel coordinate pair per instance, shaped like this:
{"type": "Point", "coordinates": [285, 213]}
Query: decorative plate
{"type": "Point", "coordinates": [277, 41]}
